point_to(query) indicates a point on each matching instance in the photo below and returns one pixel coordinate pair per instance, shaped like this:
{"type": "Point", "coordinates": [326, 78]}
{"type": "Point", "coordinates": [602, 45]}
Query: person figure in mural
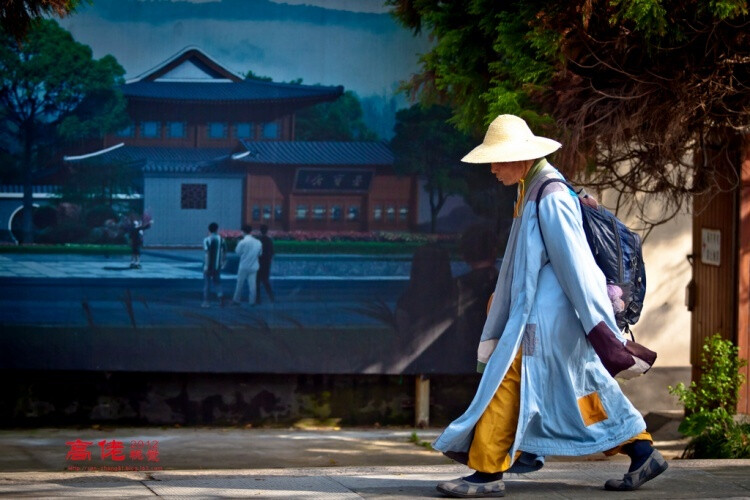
{"type": "Point", "coordinates": [215, 251]}
{"type": "Point", "coordinates": [479, 248]}
{"type": "Point", "coordinates": [249, 250]}
{"type": "Point", "coordinates": [550, 349]}
{"type": "Point", "coordinates": [135, 230]}
{"type": "Point", "coordinates": [426, 311]}
{"type": "Point", "coordinates": [264, 269]}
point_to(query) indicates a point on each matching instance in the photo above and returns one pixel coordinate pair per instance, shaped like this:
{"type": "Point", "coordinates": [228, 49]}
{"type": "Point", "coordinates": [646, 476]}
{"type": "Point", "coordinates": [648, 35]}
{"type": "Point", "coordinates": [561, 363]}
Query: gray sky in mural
{"type": "Point", "coordinates": [354, 43]}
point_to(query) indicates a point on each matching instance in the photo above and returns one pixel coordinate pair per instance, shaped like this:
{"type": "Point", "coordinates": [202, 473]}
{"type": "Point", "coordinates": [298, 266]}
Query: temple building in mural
{"type": "Point", "coordinates": [213, 146]}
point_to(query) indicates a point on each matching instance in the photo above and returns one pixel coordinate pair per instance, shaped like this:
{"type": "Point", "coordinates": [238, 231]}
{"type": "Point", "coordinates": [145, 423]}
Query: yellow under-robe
{"type": "Point", "coordinates": [496, 428]}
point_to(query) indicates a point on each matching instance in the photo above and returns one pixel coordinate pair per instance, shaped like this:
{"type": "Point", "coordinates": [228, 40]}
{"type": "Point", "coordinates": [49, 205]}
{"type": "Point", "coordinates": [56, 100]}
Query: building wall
{"type": "Point", "coordinates": [390, 203]}
{"type": "Point", "coordinates": [177, 226]}
{"type": "Point", "coordinates": [266, 203]}
{"type": "Point", "coordinates": [324, 212]}
{"type": "Point", "coordinates": [51, 398]}
{"type": "Point", "coordinates": [196, 121]}
{"type": "Point", "coordinates": [665, 322]}
{"type": "Point", "coordinates": [271, 200]}
{"type": "Point", "coordinates": [8, 207]}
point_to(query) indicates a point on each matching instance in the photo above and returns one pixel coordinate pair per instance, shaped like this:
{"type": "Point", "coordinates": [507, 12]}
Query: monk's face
{"type": "Point", "coordinates": [510, 172]}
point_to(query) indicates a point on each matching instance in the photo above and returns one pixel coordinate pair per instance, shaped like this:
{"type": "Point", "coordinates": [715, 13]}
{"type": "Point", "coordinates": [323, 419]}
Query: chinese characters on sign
{"type": "Point", "coordinates": [711, 247]}
{"type": "Point", "coordinates": [343, 180]}
{"type": "Point", "coordinates": [140, 452]}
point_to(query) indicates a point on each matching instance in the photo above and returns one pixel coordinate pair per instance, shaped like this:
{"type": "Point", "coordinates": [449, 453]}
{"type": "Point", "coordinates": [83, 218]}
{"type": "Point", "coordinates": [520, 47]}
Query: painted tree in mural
{"type": "Point", "coordinates": [640, 92]}
{"type": "Point", "coordinates": [17, 15]}
{"type": "Point", "coordinates": [53, 91]}
{"type": "Point", "coordinates": [340, 120]}
{"type": "Point", "coordinates": [427, 145]}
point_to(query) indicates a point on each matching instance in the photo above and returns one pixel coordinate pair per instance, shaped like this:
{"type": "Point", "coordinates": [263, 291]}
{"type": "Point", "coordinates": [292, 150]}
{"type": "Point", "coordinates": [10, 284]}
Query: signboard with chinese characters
{"type": "Point", "coordinates": [348, 180]}
{"type": "Point", "coordinates": [711, 247]}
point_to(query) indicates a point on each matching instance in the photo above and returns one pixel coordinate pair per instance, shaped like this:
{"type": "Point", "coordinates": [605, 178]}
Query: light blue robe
{"type": "Point", "coordinates": [548, 299]}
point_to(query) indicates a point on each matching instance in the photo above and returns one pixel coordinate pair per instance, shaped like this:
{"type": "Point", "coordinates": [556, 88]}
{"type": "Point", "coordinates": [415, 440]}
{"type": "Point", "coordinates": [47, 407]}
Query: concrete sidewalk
{"type": "Point", "coordinates": [683, 479]}
{"type": "Point", "coordinates": [211, 447]}
{"type": "Point", "coordinates": [314, 463]}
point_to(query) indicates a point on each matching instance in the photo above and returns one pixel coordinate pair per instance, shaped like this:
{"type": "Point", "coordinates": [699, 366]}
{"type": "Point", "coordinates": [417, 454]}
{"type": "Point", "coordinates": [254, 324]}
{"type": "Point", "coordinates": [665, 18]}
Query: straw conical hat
{"type": "Point", "coordinates": [509, 139]}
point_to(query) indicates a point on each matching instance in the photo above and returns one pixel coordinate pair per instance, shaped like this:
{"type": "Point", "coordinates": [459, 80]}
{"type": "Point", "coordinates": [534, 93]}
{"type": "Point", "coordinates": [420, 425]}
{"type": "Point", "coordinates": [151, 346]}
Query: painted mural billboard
{"type": "Point", "coordinates": [259, 209]}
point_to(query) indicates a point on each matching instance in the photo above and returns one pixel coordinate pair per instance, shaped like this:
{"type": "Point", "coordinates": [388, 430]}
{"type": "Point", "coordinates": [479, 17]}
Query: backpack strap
{"type": "Point", "coordinates": [538, 199]}
{"type": "Point", "coordinates": [539, 194]}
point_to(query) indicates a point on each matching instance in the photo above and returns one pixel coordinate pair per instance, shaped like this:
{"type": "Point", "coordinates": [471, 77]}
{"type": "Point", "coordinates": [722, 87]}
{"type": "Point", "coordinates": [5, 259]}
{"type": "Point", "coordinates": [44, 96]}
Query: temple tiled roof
{"type": "Point", "coordinates": [162, 160]}
{"type": "Point", "coordinates": [227, 160]}
{"type": "Point", "coordinates": [36, 188]}
{"type": "Point", "coordinates": [192, 76]}
{"type": "Point", "coordinates": [315, 153]}
{"type": "Point", "coordinates": [246, 90]}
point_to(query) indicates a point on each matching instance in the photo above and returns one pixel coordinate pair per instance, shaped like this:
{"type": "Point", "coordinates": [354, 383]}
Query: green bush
{"type": "Point", "coordinates": [67, 231]}
{"type": "Point", "coordinates": [232, 242]}
{"type": "Point", "coordinates": [98, 215]}
{"type": "Point", "coordinates": [711, 403]}
{"type": "Point", "coordinates": [45, 216]}
{"type": "Point", "coordinates": [105, 235]}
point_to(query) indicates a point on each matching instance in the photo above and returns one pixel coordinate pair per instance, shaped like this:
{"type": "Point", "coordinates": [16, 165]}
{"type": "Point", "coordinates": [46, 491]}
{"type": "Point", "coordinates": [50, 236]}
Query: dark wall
{"type": "Point", "coordinates": [63, 398]}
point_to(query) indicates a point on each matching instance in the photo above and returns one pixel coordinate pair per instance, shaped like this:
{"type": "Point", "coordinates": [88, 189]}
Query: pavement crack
{"type": "Point", "coordinates": [147, 486]}
{"type": "Point", "coordinates": [331, 478]}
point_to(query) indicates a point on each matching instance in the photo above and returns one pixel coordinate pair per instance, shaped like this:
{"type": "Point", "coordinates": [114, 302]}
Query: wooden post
{"type": "Point", "coordinates": [714, 273]}
{"type": "Point", "coordinates": [422, 402]}
{"type": "Point", "coordinates": [743, 274]}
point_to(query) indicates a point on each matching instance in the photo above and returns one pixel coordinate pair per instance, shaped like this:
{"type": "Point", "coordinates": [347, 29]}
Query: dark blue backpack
{"type": "Point", "coordinates": [617, 252]}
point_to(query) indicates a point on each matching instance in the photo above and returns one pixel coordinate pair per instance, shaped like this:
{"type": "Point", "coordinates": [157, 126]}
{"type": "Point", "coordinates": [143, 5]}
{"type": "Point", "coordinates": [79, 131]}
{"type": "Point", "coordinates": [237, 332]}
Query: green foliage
{"type": "Point", "coordinates": [252, 76]}
{"type": "Point", "coordinates": [45, 216]}
{"type": "Point", "coordinates": [728, 9]}
{"type": "Point", "coordinates": [487, 57]}
{"type": "Point", "coordinates": [732, 442]}
{"type": "Point", "coordinates": [98, 215]}
{"type": "Point", "coordinates": [636, 83]}
{"type": "Point", "coordinates": [711, 403]}
{"type": "Point", "coordinates": [66, 231]}
{"type": "Point", "coordinates": [101, 110]}
{"type": "Point", "coordinates": [414, 438]}
{"type": "Point", "coordinates": [53, 81]}
{"type": "Point", "coordinates": [426, 144]}
{"type": "Point", "coordinates": [525, 57]}
{"type": "Point", "coordinates": [52, 90]}
{"type": "Point", "coordinates": [340, 120]}
{"type": "Point", "coordinates": [92, 183]}
{"type": "Point", "coordinates": [648, 16]}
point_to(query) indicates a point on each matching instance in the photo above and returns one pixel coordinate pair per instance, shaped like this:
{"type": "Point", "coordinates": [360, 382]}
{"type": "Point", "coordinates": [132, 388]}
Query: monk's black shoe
{"type": "Point", "coordinates": [652, 467]}
{"type": "Point", "coordinates": [478, 485]}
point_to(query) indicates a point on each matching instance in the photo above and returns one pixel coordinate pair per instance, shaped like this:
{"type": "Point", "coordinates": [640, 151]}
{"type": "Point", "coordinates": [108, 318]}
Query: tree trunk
{"type": "Point", "coordinates": [433, 212]}
{"type": "Point", "coordinates": [435, 206]}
